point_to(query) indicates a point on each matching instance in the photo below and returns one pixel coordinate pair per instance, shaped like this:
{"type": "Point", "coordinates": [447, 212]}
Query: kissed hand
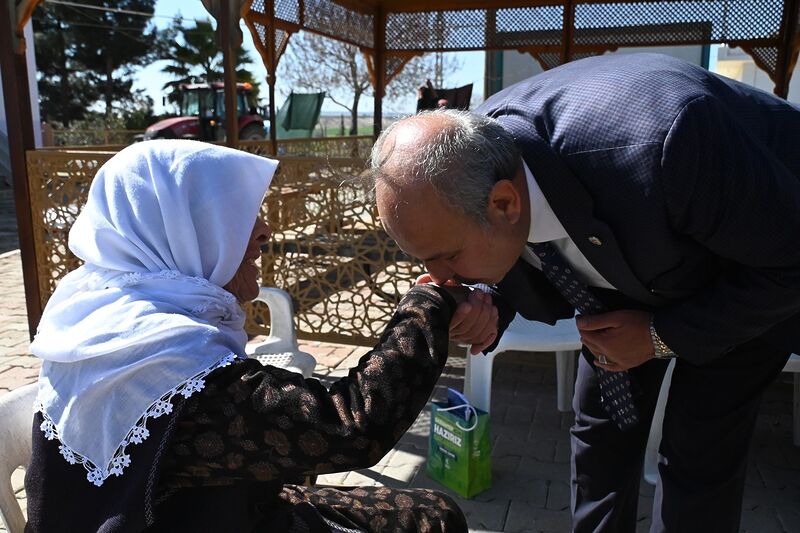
{"type": "Point", "coordinates": [475, 319]}
{"type": "Point", "coordinates": [623, 337]}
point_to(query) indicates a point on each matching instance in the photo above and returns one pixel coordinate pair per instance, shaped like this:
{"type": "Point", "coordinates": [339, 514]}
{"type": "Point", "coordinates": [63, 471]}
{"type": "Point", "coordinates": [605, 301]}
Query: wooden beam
{"type": "Point", "coordinates": [24, 11]}
{"type": "Point", "coordinates": [17, 99]}
{"type": "Point", "coordinates": [380, 70]}
{"type": "Point", "coordinates": [415, 6]}
{"type": "Point", "coordinates": [228, 24]}
{"type": "Point", "coordinates": [567, 31]}
{"type": "Point", "coordinates": [272, 67]}
{"type": "Point", "coordinates": [787, 52]}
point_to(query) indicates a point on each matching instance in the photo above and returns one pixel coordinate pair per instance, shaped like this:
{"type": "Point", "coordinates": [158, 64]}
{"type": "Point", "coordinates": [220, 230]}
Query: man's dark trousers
{"type": "Point", "coordinates": [707, 430]}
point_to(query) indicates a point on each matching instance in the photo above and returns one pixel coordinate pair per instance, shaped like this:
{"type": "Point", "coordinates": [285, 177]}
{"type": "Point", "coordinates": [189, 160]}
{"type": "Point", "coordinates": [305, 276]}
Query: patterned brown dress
{"type": "Point", "coordinates": [263, 427]}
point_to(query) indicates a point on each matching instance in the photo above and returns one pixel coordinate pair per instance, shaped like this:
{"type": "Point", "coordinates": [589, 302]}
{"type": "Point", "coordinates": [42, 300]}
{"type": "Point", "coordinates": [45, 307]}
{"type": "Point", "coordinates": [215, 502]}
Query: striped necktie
{"type": "Point", "coordinates": [615, 387]}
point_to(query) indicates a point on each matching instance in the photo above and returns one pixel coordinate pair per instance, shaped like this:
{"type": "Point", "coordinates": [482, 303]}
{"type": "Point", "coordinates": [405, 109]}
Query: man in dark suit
{"type": "Point", "coordinates": [660, 201]}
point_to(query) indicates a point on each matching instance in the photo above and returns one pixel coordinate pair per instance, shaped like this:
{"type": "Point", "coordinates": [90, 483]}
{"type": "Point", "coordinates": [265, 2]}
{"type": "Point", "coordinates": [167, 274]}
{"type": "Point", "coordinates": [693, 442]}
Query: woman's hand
{"type": "Point", "coordinates": [475, 319]}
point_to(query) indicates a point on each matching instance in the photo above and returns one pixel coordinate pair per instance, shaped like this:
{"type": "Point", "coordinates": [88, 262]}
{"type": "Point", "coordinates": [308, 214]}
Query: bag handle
{"type": "Point", "coordinates": [472, 411]}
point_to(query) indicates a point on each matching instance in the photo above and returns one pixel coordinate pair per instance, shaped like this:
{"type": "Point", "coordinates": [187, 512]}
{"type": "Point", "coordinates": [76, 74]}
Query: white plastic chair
{"type": "Point", "coordinates": [654, 440]}
{"type": "Point", "coordinates": [16, 422]}
{"type": "Point", "coordinates": [650, 469]}
{"type": "Point", "coordinates": [527, 336]}
{"type": "Point", "coordinates": [280, 348]}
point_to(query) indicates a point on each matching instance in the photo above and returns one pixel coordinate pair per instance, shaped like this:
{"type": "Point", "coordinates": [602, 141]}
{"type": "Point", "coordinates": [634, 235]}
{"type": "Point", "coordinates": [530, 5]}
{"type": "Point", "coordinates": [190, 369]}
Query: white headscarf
{"type": "Point", "coordinates": [166, 225]}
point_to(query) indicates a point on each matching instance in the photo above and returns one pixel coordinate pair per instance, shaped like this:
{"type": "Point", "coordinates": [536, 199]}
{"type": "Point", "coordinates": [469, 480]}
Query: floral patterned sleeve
{"type": "Point", "coordinates": [260, 423]}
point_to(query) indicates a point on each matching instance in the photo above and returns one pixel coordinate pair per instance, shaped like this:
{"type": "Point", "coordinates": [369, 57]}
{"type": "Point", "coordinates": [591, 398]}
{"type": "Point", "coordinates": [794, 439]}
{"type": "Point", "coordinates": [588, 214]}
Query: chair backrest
{"type": "Point", "coordinates": [280, 349]}
{"type": "Point", "coordinates": [282, 336]}
{"type": "Point", "coordinates": [16, 419]}
{"type": "Point", "coordinates": [793, 364]}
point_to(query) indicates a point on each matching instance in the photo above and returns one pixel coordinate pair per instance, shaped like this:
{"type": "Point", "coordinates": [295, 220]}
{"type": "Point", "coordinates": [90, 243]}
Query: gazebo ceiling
{"type": "Point", "coordinates": [554, 31]}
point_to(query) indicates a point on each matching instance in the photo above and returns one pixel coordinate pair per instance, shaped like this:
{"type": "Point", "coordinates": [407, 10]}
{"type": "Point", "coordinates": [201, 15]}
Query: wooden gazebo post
{"type": "Point", "coordinates": [787, 54]}
{"type": "Point", "coordinates": [228, 29]}
{"type": "Point", "coordinates": [14, 68]}
{"type": "Point", "coordinates": [271, 77]}
{"type": "Point", "coordinates": [567, 31]}
{"type": "Point", "coordinates": [380, 69]}
{"type": "Point", "coordinates": [227, 14]}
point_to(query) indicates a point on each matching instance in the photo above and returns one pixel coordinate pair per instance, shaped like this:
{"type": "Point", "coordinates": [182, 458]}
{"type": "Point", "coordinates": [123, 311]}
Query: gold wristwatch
{"type": "Point", "coordinates": [660, 348]}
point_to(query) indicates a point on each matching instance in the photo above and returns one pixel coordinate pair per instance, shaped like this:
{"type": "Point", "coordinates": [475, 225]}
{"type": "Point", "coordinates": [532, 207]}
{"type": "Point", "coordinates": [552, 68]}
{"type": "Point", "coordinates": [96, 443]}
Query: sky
{"type": "Point", "coordinates": [151, 79]}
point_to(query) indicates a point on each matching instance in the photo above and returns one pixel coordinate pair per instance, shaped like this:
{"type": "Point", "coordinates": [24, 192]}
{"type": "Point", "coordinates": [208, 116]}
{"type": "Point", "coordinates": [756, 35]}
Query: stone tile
{"type": "Point", "coordinates": [563, 452]}
{"type": "Point", "coordinates": [485, 515]}
{"type": "Point", "coordinates": [760, 520]}
{"type": "Point", "coordinates": [543, 450]}
{"type": "Point", "coordinates": [17, 376]}
{"type": "Point", "coordinates": [788, 517]}
{"type": "Point", "coordinates": [505, 486]}
{"type": "Point", "coordinates": [558, 496]}
{"type": "Point", "coordinates": [26, 361]}
{"type": "Point", "coordinates": [518, 414]}
{"type": "Point", "coordinates": [530, 468]}
{"type": "Point", "coordinates": [349, 355]}
{"type": "Point", "coordinates": [361, 478]}
{"type": "Point", "coordinates": [523, 517]}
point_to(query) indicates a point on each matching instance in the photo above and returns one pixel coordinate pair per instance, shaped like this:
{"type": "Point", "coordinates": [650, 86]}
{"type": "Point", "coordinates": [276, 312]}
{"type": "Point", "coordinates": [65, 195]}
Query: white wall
{"type": "Point", "coordinates": [517, 66]}
{"type": "Point", "coordinates": [731, 62]}
{"type": "Point", "coordinates": [736, 64]}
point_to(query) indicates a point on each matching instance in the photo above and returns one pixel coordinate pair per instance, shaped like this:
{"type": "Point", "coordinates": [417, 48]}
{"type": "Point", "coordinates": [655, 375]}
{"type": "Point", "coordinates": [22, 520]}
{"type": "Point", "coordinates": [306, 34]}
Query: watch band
{"type": "Point", "coordinates": [660, 348]}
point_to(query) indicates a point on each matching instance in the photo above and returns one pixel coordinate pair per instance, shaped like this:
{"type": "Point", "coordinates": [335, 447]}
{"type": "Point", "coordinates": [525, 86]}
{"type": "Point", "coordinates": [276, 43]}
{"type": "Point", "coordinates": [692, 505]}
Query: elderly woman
{"type": "Point", "coordinates": [149, 416]}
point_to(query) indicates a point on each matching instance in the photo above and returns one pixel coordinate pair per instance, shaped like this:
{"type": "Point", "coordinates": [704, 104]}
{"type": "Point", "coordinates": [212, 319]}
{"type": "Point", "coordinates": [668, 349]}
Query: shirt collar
{"type": "Point", "coordinates": [544, 224]}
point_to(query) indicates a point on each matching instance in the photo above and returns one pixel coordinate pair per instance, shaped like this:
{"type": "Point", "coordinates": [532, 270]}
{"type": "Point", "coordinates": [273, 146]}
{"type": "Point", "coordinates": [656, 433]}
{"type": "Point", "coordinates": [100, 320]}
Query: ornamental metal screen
{"type": "Point", "coordinates": [328, 249]}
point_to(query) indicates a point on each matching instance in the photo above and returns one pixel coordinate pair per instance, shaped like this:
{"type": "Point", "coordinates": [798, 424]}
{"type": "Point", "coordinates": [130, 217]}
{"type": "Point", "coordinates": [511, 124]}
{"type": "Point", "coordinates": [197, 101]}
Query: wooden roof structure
{"type": "Point", "coordinates": [391, 32]}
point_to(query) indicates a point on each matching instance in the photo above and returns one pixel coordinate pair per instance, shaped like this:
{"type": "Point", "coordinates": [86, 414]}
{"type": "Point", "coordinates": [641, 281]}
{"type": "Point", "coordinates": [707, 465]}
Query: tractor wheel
{"type": "Point", "coordinates": [252, 132]}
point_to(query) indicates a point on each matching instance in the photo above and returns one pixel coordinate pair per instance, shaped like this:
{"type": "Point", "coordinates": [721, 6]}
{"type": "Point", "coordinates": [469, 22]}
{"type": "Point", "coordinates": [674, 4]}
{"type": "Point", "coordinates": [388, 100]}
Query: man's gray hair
{"type": "Point", "coordinates": [462, 161]}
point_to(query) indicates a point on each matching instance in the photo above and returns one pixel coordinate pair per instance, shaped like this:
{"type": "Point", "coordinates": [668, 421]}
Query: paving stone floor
{"type": "Point", "coordinates": [530, 444]}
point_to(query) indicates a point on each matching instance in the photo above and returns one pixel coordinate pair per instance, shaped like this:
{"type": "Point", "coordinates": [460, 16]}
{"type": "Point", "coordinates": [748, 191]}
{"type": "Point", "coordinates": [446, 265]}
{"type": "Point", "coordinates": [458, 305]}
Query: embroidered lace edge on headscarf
{"type": "Point", "coordinates": [137, 434]}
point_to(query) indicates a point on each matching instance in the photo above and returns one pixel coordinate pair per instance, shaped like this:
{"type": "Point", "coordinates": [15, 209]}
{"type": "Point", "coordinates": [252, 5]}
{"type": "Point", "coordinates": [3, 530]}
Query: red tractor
{"type": "Point", "coordinates": [202, 115]}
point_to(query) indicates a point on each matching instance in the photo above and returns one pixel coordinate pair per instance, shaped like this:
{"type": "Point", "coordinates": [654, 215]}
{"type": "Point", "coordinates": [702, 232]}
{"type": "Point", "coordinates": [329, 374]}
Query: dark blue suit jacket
{"type": "Point", "coordinates": [689, 181]}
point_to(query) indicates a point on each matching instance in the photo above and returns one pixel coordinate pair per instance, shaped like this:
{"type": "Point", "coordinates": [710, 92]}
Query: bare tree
{"type": "Point", "coordinates": [315, 63]}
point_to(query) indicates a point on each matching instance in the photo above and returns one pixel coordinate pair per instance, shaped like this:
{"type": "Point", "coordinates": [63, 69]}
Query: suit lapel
{"type": "Point", "coordinates": [574, 208]}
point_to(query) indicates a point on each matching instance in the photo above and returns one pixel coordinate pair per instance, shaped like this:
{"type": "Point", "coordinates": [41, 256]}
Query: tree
{"type": "Point", "coordinates": [315, 63]}
{"type": "Point", "coordinates": [85, 53]}
{"type": "Point", "coordinates": [196, 57]}
{"type": "Point", "coordinates": [65, 89]}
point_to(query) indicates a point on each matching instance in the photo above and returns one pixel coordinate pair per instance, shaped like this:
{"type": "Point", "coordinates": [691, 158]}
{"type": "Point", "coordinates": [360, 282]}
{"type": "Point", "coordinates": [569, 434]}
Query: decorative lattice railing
{"type": "Point", "coordinates": [328, 249]}
{"type": "Point", "coordinates": [354, 146]}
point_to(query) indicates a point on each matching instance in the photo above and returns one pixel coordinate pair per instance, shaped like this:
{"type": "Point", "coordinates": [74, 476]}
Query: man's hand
{"type": "Point", "coordinates": [475, 319]}
{"type": "Point", "coordinates": [623, 337]}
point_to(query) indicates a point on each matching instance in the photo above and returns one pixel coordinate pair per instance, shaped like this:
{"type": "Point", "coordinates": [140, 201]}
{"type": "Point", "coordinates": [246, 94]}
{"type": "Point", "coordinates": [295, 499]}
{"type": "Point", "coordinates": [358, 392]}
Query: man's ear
{"type": "Point", "coordinates": [505, 203]}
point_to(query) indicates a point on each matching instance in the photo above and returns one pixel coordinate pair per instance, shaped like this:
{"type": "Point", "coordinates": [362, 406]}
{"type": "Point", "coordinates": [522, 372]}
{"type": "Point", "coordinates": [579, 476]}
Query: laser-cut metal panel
{"type": "Point", "coordinates": [328, 249]}
{"type": "Point", "coordinates": [330, 253]}
{"type": "Point", "coordinates": [59, 185]}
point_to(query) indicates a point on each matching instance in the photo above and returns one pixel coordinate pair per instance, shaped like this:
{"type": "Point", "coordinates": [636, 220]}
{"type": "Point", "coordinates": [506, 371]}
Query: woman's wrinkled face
{"type": "Point", "coordinates": [244, 284]}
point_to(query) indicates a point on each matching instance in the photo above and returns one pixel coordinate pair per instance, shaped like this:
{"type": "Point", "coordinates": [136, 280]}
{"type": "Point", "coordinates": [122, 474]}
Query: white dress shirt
{"type": "Point", "coordinates": [545, 227]}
